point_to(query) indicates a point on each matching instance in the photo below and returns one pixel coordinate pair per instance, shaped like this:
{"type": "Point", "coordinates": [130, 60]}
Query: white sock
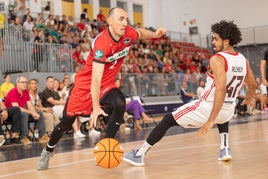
{"type": "Point", "coordinates": [224, 140]}
{"type": "Point", "coordinates": [144, 148]}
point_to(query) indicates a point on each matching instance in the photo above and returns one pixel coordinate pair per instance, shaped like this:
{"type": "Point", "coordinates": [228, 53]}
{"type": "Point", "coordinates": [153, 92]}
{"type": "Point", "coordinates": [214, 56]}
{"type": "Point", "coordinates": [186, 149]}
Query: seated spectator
{"type": "Point", "coordinates": [186, 96]}
{"type": "Point", "coordinates": [19, 97]}
{"type": "Point", "coordinates": [200, 89]}
{"type": "Point", "coordinates": [261, 94]}
{"type": "Point", "coordinates": [6, 86]}
{"type": "Point", "coordinates": [65, 82]}
{"type": "Point", "coordinates": [28, 24]}
{"type": "Point", "coordinates": [134, 107]}
{"type": "Point", "coordinates": [50, 118]}
{"type": "Point", "coordinates": [100, 16]}
{"type": "Point", "coordinates": [76, 70]}
{"type": "Point", "coordinates": [51, 98]}
{"type": "Point", "coordinates": [55, 34]}
{"type": "Point", "coordinates": [241, 109]}
{"type": "Point", "coordinates": [27, 13]}
{"type": "Point", "coordinates": [12, 115]}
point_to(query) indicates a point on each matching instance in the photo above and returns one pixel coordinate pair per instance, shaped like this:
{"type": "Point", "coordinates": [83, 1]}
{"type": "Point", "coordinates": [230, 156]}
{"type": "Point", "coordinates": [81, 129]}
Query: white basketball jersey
{"type": "Point", "coordinates": [236, 70]}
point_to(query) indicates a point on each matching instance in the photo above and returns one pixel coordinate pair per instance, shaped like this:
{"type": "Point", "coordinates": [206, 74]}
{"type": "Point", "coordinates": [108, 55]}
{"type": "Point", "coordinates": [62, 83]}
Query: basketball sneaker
{"type": "Point", "coordinates": [44, 160]}
{"type": "Point", "coordinates": [93, 132]}
{"type": "Point", "coordinates": [225, 155]}
{"type": "Point", "coordinates": [133, 159]}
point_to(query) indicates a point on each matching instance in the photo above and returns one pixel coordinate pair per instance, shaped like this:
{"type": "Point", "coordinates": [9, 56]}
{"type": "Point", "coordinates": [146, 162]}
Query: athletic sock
{"type": "Point", "coordinates": [224, 140]}
{"type": "Point", "coordinates": [144, 148]}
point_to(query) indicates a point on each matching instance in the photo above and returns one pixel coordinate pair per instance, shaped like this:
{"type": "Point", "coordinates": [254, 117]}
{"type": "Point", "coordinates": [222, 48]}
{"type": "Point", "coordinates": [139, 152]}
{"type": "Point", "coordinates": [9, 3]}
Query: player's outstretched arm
{"type": "Point", "coordinates": [250, 80]}
{"type": "Point", "coordinates": [145, 34]}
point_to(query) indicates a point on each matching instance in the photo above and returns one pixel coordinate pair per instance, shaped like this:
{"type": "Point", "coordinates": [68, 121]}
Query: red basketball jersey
{"type": "Point", "coordinates": [104, 50]}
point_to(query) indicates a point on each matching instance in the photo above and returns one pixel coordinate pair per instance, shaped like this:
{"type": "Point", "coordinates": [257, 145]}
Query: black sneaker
{"type": "Point", "coordinates": [15, 140]}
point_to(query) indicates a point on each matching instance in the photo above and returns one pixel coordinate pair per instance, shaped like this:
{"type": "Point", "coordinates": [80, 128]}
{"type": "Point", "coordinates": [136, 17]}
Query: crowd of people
{"type": "Point", "coordinates": [149, 56]}
{"type": "Point", "coordinates": [146, 56]}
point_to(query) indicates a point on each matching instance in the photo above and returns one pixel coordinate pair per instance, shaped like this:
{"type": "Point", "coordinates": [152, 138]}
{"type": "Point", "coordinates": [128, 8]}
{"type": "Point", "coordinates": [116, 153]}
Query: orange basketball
{"type": "Point", "coordinates": [108, 153]}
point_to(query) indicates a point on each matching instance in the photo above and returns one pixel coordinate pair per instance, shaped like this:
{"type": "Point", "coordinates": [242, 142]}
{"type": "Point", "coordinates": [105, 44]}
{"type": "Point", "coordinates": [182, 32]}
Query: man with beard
{"type": "Point", "coordinates": [228, 70]}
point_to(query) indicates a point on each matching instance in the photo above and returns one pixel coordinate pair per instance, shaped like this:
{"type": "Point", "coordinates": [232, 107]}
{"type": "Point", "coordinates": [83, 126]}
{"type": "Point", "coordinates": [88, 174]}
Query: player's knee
{"type": "Point", "coordinates": [169, 120]}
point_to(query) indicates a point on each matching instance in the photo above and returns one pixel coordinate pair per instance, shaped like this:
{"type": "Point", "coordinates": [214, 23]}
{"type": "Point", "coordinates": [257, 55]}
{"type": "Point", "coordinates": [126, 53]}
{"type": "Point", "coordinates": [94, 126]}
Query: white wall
{"type": "Point", "coordinates": [206, 12]}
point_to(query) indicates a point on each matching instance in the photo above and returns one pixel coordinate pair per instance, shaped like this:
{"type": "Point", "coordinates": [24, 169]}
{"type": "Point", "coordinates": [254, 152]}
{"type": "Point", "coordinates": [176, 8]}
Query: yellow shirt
{"type": "Point", "coordinates": [5, 87]}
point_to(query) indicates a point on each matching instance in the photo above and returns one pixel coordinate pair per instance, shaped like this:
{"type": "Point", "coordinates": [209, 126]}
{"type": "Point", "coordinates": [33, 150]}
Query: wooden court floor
{"type": "Point", "coordinates": [175, 156]}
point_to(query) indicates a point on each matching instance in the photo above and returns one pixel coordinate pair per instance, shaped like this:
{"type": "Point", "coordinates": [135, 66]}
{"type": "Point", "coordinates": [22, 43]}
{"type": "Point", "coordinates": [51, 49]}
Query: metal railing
{"type": "Point", "coordinates": [158, 84]}
{"type": "Point", "coordinates": [21, 55]}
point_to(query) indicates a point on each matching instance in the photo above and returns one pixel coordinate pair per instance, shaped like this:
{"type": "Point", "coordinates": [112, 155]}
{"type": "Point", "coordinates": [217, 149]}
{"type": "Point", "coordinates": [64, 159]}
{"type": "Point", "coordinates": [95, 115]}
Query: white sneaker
{"type": "Point", "coordinates": [78, 134]}
{"type": "Point", "coordinates": [2, 140]}
{"type": "Point", "coordinates": [94, 132]}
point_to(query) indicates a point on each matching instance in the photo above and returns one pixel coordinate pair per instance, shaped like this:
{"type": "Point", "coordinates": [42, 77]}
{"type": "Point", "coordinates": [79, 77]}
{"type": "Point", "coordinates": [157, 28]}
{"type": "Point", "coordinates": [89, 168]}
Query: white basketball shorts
{"type": "Point", "coordinates": [196, 113]}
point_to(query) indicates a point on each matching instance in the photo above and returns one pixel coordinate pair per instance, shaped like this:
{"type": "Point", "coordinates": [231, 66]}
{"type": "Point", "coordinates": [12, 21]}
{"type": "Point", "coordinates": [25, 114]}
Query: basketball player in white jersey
{"type": "Point", "coordinates": [228, 70]}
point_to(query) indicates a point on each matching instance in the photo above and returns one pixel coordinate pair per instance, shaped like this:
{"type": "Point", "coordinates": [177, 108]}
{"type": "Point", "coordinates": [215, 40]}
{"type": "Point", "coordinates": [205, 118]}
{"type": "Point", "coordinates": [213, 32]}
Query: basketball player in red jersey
{"type": "Point", "coordinates": [228, 70]}
{"type": "Point", "coordinates": [94, 92]}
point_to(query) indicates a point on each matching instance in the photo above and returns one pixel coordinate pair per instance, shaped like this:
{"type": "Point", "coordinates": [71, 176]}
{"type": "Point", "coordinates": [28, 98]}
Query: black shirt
{"type": "Point", "coordinates": [47, 93]}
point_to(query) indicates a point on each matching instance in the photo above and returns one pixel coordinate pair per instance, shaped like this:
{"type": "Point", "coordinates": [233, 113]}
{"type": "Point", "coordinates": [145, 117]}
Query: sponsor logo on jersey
{"type": "Point", "coordinates": [190, 125]}
{"type": "Point", "coordinates": [126, 41]}
{"type": "Point", "coordinates": [118, 55]}
{"type": "Point", "coordinates": [237, 69]}
{"type": "Point", "coordinates": [98, 54]}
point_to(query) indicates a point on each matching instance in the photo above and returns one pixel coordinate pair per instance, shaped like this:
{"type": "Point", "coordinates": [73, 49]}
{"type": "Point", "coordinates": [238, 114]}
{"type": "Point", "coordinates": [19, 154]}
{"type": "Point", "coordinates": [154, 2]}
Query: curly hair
{"type": "Point", "coordinates": [227, 30]}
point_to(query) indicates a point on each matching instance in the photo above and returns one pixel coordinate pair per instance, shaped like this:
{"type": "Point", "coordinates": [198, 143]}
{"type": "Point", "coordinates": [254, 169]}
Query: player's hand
{"type": "Point", "coordinates": [94, 116]}
{"type": "Point", "coordinates": [3, 115]}
{"type": "Point", "coordinates": [160, 32]}
{"type": "Point", "coordinates": [204, 129]}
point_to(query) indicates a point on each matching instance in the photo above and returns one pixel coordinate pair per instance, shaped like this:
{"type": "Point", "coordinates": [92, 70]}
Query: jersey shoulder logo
{"type": "Point", "coordinates": [98, 54]}
{"type": "Point", "coordinates": [127, 40]}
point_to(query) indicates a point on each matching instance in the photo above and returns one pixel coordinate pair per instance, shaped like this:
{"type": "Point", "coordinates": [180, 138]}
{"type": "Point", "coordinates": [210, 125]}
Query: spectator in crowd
{"type": "Point", "coordinates": [264, 69]}
{"type": "Point", "coordinates": [71, 21]}
{"type": "Point", "coordinates": [84, 14]}
{"type": "Point", "coordinates": [12, 115]}
{"type": "Point", "coordinates": [65, 81]}
{"type": "Point", "coordinates": [77, 68]}
{"type": "Point", "coordinates": [101, 17]}
{"type": "Point", "coordinates": [49, 22]}
{"type": "Point", "coordinates": [27, 13]}
{"type": "Point", "coordinates": [20, 7]}
{"type": "Point", "coordinates": [55, 33]}
{"type": "Point", "coordinates": [51, 98]}
{"type": "Point", "coordinates": [186, 96]}
{"type": "Point", "coordinates": [57, 20]}
{"type": "Point", "coordinates": [261, 95]}
{"type": "Point", "coordinates": [6, 86]}
{"type": "Point", "coordinates": [19, 97]}
{"type": "Point", "coordinates": [11, 17]}
{"type": "Point", "coordinates": [18, 22]}
{"type": "Point", "coordinates": [241, 109]}
{"type": "Point", "coordinates": [50, 118]}
{"type": "Point", "coordinates": [200, 89]}
{"type": "Point", "coordinates": [28, 24]}
{"type": "Point", "coordinates": [38, 50]}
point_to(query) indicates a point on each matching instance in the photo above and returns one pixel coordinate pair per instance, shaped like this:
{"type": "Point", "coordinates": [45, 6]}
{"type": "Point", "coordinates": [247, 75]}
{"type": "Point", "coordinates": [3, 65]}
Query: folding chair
{"type": "Point", "coordinates": [6, 127]}
{"type": "Point", "coordinates": [32, 128]}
